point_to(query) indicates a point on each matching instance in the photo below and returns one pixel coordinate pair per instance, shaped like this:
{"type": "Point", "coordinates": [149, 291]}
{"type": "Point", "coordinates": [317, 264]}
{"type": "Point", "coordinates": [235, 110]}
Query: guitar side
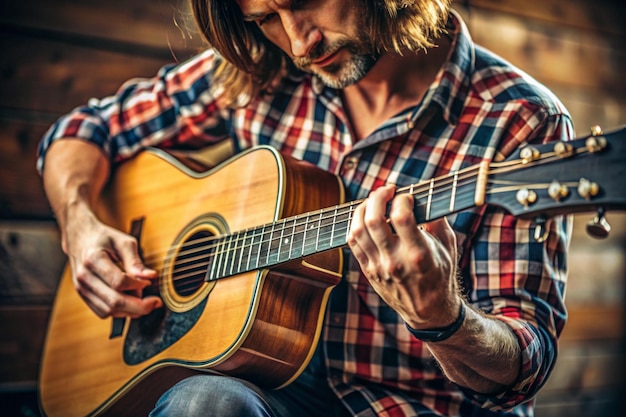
{"type": "Point", "coordinates": [261, 325]}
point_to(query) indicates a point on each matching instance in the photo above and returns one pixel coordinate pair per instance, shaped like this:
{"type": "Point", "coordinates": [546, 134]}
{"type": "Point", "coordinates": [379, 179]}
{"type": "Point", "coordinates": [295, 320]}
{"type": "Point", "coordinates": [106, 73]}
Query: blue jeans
{"type": "Point", "coordinates": [221, 396]}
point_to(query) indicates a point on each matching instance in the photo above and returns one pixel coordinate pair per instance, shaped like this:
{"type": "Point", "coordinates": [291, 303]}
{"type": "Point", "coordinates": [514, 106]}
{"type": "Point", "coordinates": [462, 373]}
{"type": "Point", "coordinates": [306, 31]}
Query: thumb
{"type": "Point", "coordinates": [442, 231]}
{"type": "Point", "coordinates": [128, 252]}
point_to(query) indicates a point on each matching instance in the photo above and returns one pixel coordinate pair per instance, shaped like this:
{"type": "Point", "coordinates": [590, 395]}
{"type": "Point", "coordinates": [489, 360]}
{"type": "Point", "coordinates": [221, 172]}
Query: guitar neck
{"type": "Point", "coordinates": [309, 233]}
{"type": "Point", "coordinates": [534, 182]}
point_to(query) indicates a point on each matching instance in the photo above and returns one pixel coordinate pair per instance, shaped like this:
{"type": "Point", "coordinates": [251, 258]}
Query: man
{"type": "Point", "coordinates": [452, 317]}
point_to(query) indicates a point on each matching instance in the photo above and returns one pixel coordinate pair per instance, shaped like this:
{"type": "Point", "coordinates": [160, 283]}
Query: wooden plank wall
{"type": "Point", "coordinates": [578, 49]}
{"type": "Point", "coordinates": [55, 56]}
{"type": "Point", "coordinates": [58, 54]}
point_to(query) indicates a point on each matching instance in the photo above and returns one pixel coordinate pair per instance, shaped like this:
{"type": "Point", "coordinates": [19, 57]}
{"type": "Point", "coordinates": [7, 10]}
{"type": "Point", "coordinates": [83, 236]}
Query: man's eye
{"type": "Point", "coordinates": [266, 19]}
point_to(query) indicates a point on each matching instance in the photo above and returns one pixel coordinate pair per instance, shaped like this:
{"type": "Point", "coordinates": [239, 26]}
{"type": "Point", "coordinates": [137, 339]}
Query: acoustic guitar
{"type": "Point", "coordinates": [248, 253]}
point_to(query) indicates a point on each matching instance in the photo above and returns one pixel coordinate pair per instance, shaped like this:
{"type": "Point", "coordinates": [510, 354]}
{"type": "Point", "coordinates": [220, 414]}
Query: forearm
{"type": "Point", "coordinates": [74, 174]}
{"type": "Point", "coordinates": [107, 271]}
{"type": "Point", "coordinates": [483, 355]}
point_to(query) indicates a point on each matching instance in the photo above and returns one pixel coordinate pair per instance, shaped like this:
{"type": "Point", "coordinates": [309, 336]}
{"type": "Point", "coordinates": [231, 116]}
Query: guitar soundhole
{"type": "Point", "coordinates": [191, 264]}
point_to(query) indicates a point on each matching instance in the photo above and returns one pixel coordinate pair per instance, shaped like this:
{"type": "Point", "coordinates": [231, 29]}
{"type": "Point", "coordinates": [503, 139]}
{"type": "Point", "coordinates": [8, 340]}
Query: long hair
{"type": "Point", "coordinates": [252, 64]}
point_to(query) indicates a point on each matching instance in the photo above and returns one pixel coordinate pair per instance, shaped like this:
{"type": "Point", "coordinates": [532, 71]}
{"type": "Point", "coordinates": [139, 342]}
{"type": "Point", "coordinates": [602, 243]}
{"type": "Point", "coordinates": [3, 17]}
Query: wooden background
{"type": "Point", "coordinates": [56, 54]}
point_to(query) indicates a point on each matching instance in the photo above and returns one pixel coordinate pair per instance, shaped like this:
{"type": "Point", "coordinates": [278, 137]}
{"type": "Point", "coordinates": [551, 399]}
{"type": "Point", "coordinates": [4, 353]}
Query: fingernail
{"type": "Point", "coordinates": [142, 270]}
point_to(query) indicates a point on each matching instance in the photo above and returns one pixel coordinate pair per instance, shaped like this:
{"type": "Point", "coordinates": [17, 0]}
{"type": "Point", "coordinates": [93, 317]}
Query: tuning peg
{"type": "Point", "coordinates": [540, 229]}
{"type": "Point", "coordinates": [598, 227]}
{"type": "Point", "coordinates": [596, 130]}
{"type": "Point", "coordinates": [529, 154]}
{"type": "Point", "coordinates": [587, 189]}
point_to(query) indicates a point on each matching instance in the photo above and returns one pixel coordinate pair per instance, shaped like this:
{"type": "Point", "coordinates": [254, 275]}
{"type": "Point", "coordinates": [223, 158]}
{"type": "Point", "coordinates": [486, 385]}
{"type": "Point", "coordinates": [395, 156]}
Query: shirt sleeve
{"type": "Point", "coordinates": [176, 108]}
{"type": "Point", "coordinates": [521, 281]}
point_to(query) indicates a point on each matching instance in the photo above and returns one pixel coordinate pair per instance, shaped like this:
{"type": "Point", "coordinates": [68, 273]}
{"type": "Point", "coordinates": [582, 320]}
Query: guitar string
{"type": "Point", "coordinates": [286, 254]}
{"type": "Point", "coordinates": [291, 222]}
{"type": "Point", "coordinates": [239, 248]}
{"type": "Point", "coordinates": [197, 270]}
{"type": "Point", "coordinates": [345, 209]}
{"type": "Point", "coordinates": [331, 213]}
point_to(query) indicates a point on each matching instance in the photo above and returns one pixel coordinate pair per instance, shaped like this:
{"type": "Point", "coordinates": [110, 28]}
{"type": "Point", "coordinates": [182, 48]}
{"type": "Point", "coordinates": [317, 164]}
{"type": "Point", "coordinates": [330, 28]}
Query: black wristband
{"type": "Point", "coordinates": [442, 333]}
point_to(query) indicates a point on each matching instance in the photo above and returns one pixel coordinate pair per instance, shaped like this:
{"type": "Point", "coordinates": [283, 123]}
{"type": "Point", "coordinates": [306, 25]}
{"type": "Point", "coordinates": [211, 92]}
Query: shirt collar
{"type": "Point", "coordinates": [452, 83]}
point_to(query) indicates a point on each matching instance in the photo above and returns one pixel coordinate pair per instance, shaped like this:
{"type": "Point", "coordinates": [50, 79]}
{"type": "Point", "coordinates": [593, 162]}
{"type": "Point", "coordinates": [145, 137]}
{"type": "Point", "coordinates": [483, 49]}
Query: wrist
{"type": "Point", "coordinates": [74, 210]}
{"type": "Point", "coordinates": [76, 218]}
{"type": "Point", "coordinates": [439, 334]}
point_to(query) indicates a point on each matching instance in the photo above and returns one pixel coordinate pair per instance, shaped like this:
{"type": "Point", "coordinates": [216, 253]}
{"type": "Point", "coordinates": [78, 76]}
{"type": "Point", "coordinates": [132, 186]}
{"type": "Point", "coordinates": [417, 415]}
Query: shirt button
{"type": "Point", "coordinates": [350, 163]}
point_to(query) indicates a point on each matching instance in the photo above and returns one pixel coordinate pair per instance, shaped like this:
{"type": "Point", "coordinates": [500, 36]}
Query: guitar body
{"type": "Point", "coordinates": [262, 325]}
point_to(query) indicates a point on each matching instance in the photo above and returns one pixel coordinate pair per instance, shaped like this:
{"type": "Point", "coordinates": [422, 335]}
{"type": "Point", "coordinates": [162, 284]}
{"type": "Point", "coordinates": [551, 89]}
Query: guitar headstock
{"type": "Point", "coordinates": [583, 175]}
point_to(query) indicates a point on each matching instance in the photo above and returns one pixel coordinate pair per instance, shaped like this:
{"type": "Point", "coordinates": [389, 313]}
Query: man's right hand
{"type": "Point", "coordinates": [107, 271]}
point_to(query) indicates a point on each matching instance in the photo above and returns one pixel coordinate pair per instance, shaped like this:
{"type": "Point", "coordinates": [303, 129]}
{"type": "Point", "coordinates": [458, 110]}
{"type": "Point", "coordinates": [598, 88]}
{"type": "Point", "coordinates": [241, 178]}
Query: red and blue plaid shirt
{"type": "Point", "coordinates": [479, 107]}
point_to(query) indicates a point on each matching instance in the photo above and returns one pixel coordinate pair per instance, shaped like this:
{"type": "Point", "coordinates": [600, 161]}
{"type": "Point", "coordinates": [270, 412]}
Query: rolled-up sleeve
{"type": "Point", "coordinates": [521, 281]}
{"type": "Point", "coordinates": [176, 108]}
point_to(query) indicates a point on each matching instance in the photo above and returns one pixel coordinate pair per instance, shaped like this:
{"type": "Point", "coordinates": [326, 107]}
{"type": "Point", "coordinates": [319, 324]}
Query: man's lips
{"type": "Point", "coordinates": [325, 60]}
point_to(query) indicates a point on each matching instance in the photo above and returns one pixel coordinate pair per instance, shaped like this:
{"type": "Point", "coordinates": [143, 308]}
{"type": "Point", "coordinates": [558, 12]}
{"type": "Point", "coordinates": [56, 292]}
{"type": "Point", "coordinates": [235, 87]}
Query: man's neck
{"type": "Point", "coordinates": [395, 83]}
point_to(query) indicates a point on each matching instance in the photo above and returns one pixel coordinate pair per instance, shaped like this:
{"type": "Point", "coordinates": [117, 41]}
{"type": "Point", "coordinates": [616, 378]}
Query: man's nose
{"type": "Point", "coordinates": [302, 34]}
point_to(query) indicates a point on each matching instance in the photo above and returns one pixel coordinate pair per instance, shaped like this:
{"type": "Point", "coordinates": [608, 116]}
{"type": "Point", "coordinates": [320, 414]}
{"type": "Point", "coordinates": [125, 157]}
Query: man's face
{"type": "Point", "coordinates": [324, 37]}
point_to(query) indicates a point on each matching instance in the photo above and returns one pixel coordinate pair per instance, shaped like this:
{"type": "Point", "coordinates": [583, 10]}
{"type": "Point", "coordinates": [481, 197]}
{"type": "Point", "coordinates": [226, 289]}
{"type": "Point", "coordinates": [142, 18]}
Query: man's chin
{"type": "Point", "coordinates": [343, 76]}
{"type": "Point", "coordinates": [337, 83]}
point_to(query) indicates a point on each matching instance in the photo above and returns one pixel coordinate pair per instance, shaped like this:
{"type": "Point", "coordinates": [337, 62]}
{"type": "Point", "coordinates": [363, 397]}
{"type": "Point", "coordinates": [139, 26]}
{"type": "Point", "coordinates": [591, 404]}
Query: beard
{"type": "Point", "coordinates": [343, 72]}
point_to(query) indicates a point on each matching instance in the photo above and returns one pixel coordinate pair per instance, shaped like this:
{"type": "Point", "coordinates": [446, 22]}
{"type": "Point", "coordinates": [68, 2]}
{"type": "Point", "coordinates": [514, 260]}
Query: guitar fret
{"type": "Point", "coordinates": [233, 253]}
{"type": "Point", "coordinates": [250, 233]}
{"type": "Point", "coordinates": [306, 226]}
{"type": "Point", "coordinates": [220, 257]}
{"type": "Point", "coordinates": [230, 257]}
{"type": "Point", "coordinates": [430, 199]}
{"type": "Point", "coordinates": [337, 228]}
{"type": "Point", "coordinates": [350, 213]}
{"type": "Point", "coordinates": [346, 218]}
{"type": "Point", "coordinates": [294, 237]}
{"type": "Point", "coordinates": [258, 256]}
{"type": "Point", "coordinates": [310, 236]}
{"type": "Point", "coordinates": [216, 258]}
{"type": "Point", "coordinates": [269, 246]}
{"type": "Point", "coordinates": [280, 241]}
{"type": "Point", "coordinates": [298, 232]}
{"type": "Point", "coordinates": [332, 230]}
{"type": "Point", "coordinates": [319, 226]}
{"type": "Point", "coordinates": [212, 260]}
{"type": "Point", "coordinates": [240, 249]}
{"type": "Point", "coordinates": [226, 256]}
{"type": "Point", "coordinates": [453, 193]}
{"type": "Point", "coordinates": [250, 249]}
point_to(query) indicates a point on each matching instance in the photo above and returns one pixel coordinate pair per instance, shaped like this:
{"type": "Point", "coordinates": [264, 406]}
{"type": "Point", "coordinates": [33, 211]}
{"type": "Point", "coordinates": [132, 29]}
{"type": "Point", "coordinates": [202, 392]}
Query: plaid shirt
{"type": "Point", "coordinates": [479, 107]}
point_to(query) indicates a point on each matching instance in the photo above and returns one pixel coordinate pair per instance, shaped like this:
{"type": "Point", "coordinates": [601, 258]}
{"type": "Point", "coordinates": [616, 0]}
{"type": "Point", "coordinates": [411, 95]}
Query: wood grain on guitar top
{"type": "Point", "coordinates": [261, 325]}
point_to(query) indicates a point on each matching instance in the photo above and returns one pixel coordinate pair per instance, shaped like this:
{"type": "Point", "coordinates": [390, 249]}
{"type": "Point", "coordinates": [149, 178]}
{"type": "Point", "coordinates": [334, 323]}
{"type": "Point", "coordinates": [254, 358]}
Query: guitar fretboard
{"type": "Point", "coordinates": [310, 233]}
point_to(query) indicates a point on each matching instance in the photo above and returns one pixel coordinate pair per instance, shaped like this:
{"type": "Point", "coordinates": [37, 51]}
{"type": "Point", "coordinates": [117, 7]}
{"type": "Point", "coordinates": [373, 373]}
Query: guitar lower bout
{"type": "Point", "coordinates": [229, 307]}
